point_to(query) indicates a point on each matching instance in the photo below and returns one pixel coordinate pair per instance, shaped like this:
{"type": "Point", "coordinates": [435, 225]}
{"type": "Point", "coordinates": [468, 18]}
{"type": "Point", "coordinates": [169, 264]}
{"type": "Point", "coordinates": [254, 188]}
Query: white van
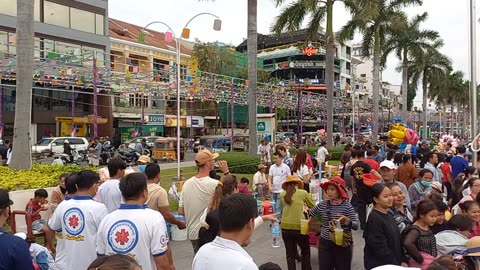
{"type": "Point", "coordinates": [55, 144]}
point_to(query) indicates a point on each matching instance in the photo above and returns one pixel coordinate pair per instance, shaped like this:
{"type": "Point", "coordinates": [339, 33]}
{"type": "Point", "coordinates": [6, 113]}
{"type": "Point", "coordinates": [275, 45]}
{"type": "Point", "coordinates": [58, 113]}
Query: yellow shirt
{"type": "Point", "coordinates": [292, 214]}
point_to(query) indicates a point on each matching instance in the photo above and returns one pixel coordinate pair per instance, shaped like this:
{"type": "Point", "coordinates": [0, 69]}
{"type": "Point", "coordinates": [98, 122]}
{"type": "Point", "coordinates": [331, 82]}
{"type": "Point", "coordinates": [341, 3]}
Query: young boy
{"type": "Point", "coordinates": [34, 207]}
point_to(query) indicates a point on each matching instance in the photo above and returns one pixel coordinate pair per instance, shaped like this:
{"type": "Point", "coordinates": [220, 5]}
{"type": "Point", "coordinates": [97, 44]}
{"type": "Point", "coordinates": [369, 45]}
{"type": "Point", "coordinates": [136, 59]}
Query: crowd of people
{"type": "Point", "coordinates": [419, 211]}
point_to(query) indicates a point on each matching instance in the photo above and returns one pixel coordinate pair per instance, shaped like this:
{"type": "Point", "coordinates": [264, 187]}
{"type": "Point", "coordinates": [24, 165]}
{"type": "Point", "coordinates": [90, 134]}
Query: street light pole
{"type": "Point", "coordinates": [473, 78]}
{"type": "Point", "coordinates": [216, 26]}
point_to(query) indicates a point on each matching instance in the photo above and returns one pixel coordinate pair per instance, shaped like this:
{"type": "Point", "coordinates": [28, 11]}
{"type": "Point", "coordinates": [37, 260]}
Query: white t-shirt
{"type": "Point", "coordinates": [194, 198]}
{"type": "Point", "coordinates": [322, 153]}
{"type": "Point", "coordinates": [109, 194]}
{"type": "Point", "coordinates": [79, 219]}
{"type": "Point", "coordinates": [259, 178]}
{"type": "Point", "coordinates": [302, 172]}
{"type": "Point", "coordinates": [223, 254]}
{"type": "Point", "coordinates": [279, 175]}
{"type": "Point", "coordinates": [136, 231]}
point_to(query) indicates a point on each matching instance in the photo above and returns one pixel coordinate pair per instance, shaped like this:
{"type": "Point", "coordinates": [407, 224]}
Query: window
{"type": "Point", "coordinates": [8, 7]}
{"type": "Point", "coordinates": [75, 141]}
{"type": "Point", "coordinates": [36, 14]}
{"type": "Point", "coordinates": [363, 75]}
{"type": "Point", "coordinates": [82, 20]}
{"type": "Point", "coordinates": [99, 24]}
{"type": "Point", "coordinates": [56, 14]}
{"type": "Point", "coordinates": [9, 98]}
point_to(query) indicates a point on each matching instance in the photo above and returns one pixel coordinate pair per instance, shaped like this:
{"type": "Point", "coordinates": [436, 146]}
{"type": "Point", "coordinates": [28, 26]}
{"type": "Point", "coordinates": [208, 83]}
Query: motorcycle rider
{"type": "Point", "coordinates": [67, 149]}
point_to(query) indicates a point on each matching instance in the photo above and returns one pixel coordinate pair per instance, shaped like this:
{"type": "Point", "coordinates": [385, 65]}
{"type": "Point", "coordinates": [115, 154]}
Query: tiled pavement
{"type": "Point", "coordinates": [261, 250]}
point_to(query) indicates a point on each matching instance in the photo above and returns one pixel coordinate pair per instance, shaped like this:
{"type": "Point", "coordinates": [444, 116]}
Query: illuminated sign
{"type": "Point", "coordinates": [307, 64]}
{"type": "Point", "coordinates": [309, 51]}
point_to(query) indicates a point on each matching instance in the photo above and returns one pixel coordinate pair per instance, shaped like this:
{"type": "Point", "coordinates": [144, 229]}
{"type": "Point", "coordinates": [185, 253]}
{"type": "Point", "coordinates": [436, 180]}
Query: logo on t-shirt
{"type": "Point", "coordinates": [74, 221]}
{"type": "Point", "coordinates": [122, 236]}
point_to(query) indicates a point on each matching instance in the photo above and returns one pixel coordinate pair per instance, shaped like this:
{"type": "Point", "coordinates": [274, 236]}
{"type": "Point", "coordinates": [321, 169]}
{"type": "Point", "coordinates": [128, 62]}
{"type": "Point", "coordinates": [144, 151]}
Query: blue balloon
{"type": "Point", "coordinates": [403, 146]}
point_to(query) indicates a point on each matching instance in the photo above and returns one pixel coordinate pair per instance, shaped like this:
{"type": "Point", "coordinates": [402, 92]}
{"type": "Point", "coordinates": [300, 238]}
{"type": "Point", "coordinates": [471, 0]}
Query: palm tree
{"type": "Point", "coordinates": [292, 18]}
{"type": "Point", "coordinates": [402, 39]}
{"type": "Point", "coordinates": [374, 18]}
{"type": "Point", "coordinates": [431, 66]}
{"type": "Point", "coordinates": [21, 156]}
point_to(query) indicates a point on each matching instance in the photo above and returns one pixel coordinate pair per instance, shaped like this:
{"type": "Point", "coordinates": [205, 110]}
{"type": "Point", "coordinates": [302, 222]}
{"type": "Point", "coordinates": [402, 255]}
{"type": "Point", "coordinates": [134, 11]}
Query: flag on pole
{"type": "Point", "coordinates": [135, 133]}
{"type": "Point", "coordinates": [74, 130]}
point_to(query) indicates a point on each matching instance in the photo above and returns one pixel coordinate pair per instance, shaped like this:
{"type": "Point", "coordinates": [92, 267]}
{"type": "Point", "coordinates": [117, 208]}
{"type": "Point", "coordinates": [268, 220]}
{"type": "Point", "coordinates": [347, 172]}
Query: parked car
{"type": "Point", "coordinates": [54, 145]}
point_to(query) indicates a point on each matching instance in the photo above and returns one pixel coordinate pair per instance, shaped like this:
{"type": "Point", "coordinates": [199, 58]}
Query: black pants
{"type": "Point", "coordinates": [364, 198]}
{"type": "Point", "coordinates": [292, 238]}
{"type": "Point", "coordinates": [333, 257]}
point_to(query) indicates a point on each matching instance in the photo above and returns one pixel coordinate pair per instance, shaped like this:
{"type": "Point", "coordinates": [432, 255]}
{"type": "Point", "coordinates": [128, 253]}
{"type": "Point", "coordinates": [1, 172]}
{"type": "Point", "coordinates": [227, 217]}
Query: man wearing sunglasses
{"type": "Point", "coordinates": [14, 253]}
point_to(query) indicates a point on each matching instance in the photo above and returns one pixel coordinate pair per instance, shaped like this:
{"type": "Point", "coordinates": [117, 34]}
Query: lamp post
{"type": "Point", "coordinates": [185, 34]}
{"type": "Point", "coordinates": [473, 78]}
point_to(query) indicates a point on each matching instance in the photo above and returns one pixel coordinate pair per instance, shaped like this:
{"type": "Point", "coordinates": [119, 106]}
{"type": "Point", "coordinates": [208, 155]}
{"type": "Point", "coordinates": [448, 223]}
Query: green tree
{"type": "Point", "coordinates": [21, 155]}
{"type": "Point", "coordinates": [428, 66]}
{"type": "Point", "coordinates": [214, 58]}
{"type": "Point", "coordinates": [292, 18]}
{"type": "Point", "coordinates": [373, 19]}
{"type": "Point", "coordinates": [402, 39]}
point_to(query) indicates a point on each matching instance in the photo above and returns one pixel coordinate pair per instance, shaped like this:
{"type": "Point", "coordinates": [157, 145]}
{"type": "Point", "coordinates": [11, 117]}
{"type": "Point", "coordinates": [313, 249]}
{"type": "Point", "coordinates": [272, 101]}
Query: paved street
{"type": "Point", "coordinates": [261, 250]}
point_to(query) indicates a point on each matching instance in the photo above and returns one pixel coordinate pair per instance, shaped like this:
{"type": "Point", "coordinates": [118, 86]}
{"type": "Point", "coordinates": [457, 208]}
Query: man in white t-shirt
{"type": "Point", "coordinates": [109, 192]}
{"type": "Point", "coordinates": [79, 218]}
{"type": "Point", "coordinates": [276, 176]}
{"type": "Point", "coordinates": [135, 230]}
{"type": "Point", "coordinates": [322, 154]}
{"type": "Point", "coordinates": [197, 193]}
{"type": "Point", "coordinates": [236, 217]}
{"type": "Point", "coordinates": [264, 151]}
{"type": "Point", "coordinates": [260, 182]}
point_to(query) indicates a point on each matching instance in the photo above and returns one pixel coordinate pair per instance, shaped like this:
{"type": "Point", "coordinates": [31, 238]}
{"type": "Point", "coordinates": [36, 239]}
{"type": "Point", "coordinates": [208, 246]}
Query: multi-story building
{"type": "Point", "coordinates": [293, 58]}
{"type": "Point", "coordinates": [69, 34]}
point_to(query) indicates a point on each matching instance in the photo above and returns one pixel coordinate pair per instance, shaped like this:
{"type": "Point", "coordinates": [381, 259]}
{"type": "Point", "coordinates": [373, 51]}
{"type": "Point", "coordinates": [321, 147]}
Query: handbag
{"type": "Point", "coordinates": [315, 224]}
{"type": "Point", "coordinates": [347, 232]}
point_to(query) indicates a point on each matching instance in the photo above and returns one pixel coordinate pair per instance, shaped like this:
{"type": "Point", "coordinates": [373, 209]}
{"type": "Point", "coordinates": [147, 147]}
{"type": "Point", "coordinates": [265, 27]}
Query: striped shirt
{"type": "Point", "coordinates": [330, 212]}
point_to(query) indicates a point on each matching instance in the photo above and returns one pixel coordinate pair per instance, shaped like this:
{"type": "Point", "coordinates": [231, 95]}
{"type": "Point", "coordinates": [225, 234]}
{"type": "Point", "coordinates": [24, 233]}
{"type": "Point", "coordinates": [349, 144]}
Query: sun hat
{"type": "Point", "coordinates": [388, 164]}
{"type": "Point", "coordinates": [339, 183]}
{"type": "Point", "coordinates": [203, 156]}
{"type": "Point", "coordinates": [437, 186]}
{"type": "Point", "coordinates": [473, 246]}
{"type": "Point", "coordinates": [144, 159]}
{"type": "Point", "coordinates": [293, 179]}
{"type": "Point", "coordinates": [261, 166]}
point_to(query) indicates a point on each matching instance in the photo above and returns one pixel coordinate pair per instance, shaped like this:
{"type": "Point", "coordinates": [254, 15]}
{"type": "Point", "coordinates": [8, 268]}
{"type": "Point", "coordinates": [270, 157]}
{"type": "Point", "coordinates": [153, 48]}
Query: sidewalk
{"type": "Point", "coordinates": [261, 251]}
{"type": "Point", "coordinates": [173, 165]}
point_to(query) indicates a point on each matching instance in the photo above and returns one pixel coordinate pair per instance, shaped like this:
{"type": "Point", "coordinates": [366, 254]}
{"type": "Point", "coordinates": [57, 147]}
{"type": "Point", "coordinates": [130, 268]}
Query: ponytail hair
{"type": "Point", "coordinates": [224, 188]}
{"type": "Point", "coordinates": [290, 188]}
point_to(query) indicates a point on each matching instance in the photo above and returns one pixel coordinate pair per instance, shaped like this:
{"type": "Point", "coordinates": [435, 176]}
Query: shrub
{"type": "Point", "coordinates": [40, 176]}
{"type": "Point", "coordinates": [241, 162]}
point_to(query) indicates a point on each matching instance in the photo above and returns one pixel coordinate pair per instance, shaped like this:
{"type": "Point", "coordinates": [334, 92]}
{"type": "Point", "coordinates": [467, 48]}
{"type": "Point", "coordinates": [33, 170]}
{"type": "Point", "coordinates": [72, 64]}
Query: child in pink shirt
{"type": "Point", "coordinates": [243, 186]}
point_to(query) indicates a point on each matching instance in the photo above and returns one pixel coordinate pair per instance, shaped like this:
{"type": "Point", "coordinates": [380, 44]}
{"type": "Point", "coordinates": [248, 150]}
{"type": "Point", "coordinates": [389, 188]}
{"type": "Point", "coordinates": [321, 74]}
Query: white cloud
{"type": "Point", "coordinates": [449, 17]}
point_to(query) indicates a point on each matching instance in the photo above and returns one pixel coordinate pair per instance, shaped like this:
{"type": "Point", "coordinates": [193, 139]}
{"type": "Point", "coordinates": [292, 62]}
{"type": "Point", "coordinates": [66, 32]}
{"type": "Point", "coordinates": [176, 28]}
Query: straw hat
{"type": "Point", "coordinates": [144, 159]}
{"type": "Point", "coordinates": [437, 186]}
{"type": "Point", "coordinates": [293, 179]}
{"type": "Point", "coordinates": [473, 246]}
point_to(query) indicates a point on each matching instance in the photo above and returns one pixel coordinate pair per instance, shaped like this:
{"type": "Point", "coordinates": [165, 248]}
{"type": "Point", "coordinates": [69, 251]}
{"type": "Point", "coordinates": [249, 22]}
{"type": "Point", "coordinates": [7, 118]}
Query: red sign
{"type": "Point", "coordinates": [309, 51]}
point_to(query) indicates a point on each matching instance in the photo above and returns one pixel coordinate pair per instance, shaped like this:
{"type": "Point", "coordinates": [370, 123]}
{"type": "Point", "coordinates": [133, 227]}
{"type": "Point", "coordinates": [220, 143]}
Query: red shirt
{"type": "Point", "coordinates": [446, 170]}
{"type": "Point", "coordinates": [373, 163]}
{"type": "Point", "coordinates": [33, 207]}
{"type": "Point", "coordinates": [309, 162]}
{"type": "Point", "coordinates": [243, 188]}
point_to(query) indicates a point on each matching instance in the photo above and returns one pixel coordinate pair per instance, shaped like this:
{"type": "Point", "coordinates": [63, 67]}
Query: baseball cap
{"type": "Point", "coordinates": [203, 156]}
{"type": "Point", "coordinates": [424, 142]}
{"type": "Point", "coordinates": [389, 164]}
{"type": "Point", "coordinates": [4, 199]}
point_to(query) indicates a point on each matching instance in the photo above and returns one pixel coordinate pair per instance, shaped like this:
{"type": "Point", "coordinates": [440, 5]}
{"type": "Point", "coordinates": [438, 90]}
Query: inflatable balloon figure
{"type": "Point", "coordinates": [448, 139]}
{"type": "Point", "coordinates": [400, 134]}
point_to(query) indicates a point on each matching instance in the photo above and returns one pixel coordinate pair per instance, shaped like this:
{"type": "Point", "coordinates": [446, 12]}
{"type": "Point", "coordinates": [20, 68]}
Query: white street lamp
{"type": "Point", "coordinates": [217, 25]}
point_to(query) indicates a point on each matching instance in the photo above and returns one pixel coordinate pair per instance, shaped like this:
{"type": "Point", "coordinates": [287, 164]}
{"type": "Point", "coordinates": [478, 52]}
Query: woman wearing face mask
{"type": "Point", "coordinates": [471, 210]}
{"type": "Point", "coordinates": [474, 185]}
{"type": "Point", "coordinates": [336, 207]}
{"type": "Point", "coordinates": [383, 243]}
{"type": "Point", "coordinates": [421, 188]}
{"type": "Point", "coordinates": [399, 210]}
{"type": "Point", "coordinates": [420, 242]}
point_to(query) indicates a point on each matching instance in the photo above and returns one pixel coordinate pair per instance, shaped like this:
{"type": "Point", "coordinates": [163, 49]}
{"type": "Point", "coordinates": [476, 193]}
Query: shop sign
{"type": "Point", "coordinates": [309, 51]}
{"type": "Point", "coordinates": [156, 119]}
{"type": "Point", "coordinates": [307, 64]}
{"type": "Point", "coordinates": [172, 122]}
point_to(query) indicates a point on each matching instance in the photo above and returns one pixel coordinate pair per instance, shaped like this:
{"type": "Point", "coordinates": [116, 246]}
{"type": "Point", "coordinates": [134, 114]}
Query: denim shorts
{"type": "Point", "coordinates": [38, 225]}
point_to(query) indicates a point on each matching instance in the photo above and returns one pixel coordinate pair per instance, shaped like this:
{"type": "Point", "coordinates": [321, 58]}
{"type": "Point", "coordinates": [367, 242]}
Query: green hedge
{"type": "Point", "coordinates": [40, 176]}
{"type": "Point", "coordinates": [241, 162]}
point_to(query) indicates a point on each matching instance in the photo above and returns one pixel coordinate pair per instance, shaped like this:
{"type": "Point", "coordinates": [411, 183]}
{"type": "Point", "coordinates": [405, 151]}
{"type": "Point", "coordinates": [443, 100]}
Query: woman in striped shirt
{"type": "Point", "coordinates": [337, 207]}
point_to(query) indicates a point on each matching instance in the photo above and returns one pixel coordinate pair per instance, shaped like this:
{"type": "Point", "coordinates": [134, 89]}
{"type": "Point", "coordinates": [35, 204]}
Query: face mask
{"type": "Point", "coordinates": [425, 183]}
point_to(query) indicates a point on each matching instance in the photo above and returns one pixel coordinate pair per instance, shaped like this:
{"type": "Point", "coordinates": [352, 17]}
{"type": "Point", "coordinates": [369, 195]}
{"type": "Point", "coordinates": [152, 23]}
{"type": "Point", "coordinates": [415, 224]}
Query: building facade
{"type": "Point", "coordinates": [69, 35]}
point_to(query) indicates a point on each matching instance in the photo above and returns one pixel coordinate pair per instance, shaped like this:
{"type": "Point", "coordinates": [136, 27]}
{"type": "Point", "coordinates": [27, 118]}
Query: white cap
{"type": "Point", "coordinates": [389, 164]}
{"type": "Point", "coordinates": [21, 235]}
{"type": "Point", "coordinates": [66, 141]}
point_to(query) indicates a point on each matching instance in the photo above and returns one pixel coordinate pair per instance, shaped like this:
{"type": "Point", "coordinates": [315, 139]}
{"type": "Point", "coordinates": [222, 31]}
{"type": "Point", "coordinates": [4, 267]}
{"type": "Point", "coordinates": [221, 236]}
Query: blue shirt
{"type": "Point", "coordinates": [458, 164]}
{"type": "Point", "coordinates": [14, 253]}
